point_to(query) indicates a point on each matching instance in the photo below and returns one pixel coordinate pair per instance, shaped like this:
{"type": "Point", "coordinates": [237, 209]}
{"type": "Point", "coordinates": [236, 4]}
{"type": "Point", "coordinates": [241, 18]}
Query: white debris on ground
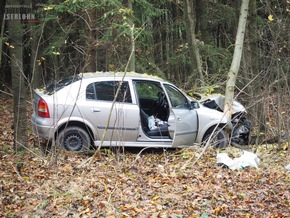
{"type": "Point", "coordinates": [247, 159]}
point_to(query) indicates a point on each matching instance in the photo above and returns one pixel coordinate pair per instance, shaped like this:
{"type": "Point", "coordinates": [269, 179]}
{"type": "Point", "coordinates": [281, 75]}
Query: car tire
{"type": "Point", "coordinates": [73, 138]}
{"type": "Point", "coordinates": [219, 137]}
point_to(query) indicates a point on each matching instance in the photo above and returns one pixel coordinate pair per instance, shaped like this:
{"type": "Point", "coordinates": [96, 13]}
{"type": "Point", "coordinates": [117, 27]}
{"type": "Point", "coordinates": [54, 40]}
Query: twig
{"type": "Point", "coordinates": [85, 161]}
{"type": "Point", "coordinates": [6, 93]}
{"type": "Point", "coordinates": [18, 174]}
{"type": "Point", "coordinates": [110, 196]}
{"type": "Point", "coordinates": [202, 152]}
{"type": "Point", "coordinates": [25, 147]}
{"type": "Point", "coordinates": [138, 155]}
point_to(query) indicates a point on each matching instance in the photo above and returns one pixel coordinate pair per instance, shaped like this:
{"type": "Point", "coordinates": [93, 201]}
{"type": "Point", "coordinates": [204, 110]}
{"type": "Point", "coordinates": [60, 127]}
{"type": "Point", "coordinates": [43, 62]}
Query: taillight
{"type": "Point", "coordinates": [43, 109]}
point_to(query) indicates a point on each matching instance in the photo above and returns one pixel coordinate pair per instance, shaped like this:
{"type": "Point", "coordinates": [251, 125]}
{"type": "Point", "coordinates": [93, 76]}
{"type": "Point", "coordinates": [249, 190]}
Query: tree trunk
{"type": "Point", "coordinates": [255, 90]}
{"type": "Point", "coordinates": [235, 66]}
{"type": "Point", "coordinates": [132, 52]}
{"type": "Point", "coordinates": [168, 69]}
{"type": "Point", "coordinates": [18, 83]}
{"type": "Point", "coordinates": [1, 38]}
{"type": "Point", "coordinates": [193, 48]}
{"type": "Point", "coordinates": [202, 20]}
{"type": "Point", "coordinates": [90, 64]}
{"type": "Point", "coordinates": [36, 60]}
{"type": "Point", "coordinates": [2, 25]}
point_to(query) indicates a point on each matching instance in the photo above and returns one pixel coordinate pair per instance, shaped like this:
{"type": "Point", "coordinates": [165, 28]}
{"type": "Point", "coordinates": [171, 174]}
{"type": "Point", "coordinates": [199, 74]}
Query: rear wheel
{"type": "Point", "coordinates": [218, 138]}
{"type": "Point", "coordinates": [73, 139]}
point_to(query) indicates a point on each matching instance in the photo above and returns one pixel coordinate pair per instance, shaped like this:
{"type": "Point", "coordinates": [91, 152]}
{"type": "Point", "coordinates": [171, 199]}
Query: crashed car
{"type": "Point", "coordinates": [241, 132]}
{"type": "Point", "coordinates": [109, 109]}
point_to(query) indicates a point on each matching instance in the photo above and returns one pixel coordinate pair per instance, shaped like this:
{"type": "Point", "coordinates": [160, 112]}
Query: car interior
{"type": "Point", "coordinates": [158, 108]}
{"type": "Point", "coordinates": [154, 108]}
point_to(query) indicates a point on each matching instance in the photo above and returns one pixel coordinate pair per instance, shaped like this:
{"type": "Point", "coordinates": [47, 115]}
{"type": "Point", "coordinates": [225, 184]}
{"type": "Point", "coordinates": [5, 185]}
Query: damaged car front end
{"type": "Point", "coordinates": [241, 132]}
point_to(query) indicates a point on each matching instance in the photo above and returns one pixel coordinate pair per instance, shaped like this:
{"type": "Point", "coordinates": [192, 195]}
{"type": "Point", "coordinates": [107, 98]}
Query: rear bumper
{"type": "Point", "coordinates": [42, 130]}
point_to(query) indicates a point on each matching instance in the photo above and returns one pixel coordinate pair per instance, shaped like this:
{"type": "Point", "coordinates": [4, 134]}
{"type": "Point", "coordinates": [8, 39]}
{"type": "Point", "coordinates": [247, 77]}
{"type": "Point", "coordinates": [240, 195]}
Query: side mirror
{"type": "Point", "coordinates": [194, 105]}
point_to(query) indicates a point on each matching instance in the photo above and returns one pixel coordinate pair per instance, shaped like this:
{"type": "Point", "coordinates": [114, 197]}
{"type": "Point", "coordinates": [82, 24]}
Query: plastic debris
{"type": "Point", "coordinates": [247, 159]}
{"type": "Point", "coordinates": [151, 123]}
{"type": "Point", "coordinates": [154, 123]}
{"type": "Point", "coordinates": [288, 167]}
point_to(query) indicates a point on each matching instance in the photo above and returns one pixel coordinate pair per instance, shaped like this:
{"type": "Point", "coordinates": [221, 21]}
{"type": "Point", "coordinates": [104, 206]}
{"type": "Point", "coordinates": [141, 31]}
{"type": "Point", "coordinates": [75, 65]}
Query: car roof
{"type": "Point", "coordinates": [129, 75]}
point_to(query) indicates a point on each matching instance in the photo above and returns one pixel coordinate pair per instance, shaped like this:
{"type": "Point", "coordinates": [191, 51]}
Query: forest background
{"type": "Point", "coordinates": [62, 38]}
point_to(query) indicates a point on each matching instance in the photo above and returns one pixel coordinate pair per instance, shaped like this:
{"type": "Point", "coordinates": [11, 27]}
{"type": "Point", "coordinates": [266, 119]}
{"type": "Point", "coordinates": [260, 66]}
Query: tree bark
{"type": "Point", "coordinates": [90, 64]}
{"type": "Point", "coordinates": [255, 90]}
{"type": "Point", "coordinates": [193, 48]}
{"type": "Point", "coordinates": [18, 82]}
{"type": "Point", "coordinates": [235, 66]}
{"type": "Point", "coordinates": [202, 20]}
{"type": "Point", "coordinates": [132, 59]}
{"type": "Point", "coordinates": [36, 60]}
{"type": "Point", "coordinates": [1, 38]}
{"type": "Point", "coordinates": [2, 25]}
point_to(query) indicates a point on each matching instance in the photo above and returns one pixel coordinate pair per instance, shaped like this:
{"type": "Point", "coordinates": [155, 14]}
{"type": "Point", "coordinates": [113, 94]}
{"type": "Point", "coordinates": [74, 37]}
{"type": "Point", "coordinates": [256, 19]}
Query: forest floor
{"type": "Point", "coordinates": [135, 183]}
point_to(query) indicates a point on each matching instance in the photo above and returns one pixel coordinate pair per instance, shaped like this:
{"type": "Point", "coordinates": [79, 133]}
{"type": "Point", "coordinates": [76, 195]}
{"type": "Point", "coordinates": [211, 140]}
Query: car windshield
{"type": "Point", "coordinates": [58, 85]}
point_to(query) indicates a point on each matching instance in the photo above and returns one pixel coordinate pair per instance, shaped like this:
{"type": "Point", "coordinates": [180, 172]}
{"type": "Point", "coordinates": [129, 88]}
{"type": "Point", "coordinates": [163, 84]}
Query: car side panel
{"type": "Point", "coordinates": [183, 126]}
{"type": "Point", "coordinates": [208, 118]}
{"type": "Point", "coordinates": [122, 123]}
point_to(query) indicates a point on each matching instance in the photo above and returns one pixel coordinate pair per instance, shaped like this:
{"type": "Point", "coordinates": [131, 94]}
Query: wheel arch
{"type": "Point", "coordinates": [78, 124]}
{"type": "Point", "coordinates": [211, 129]}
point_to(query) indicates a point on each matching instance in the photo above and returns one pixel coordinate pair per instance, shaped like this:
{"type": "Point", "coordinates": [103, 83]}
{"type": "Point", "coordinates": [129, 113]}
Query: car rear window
{"type": "Point", "coordinates": [58, 85]}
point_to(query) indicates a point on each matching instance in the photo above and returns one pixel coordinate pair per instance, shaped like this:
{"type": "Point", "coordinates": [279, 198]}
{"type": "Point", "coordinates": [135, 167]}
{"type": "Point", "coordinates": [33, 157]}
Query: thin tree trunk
{"type": "Point", "coordinates": [2, 23]}
{"type": "Point", "coordinates": [132, 59]}
{"type": "Point", "coordinates": [1, 37]}
{"type": "Point", "coordinates": [167, 45]}
{"type": "Point", "coordinates": [151, 59]}
{"type": "Point", "coordinates": [235, 66]}
{"type": "Point", "coordinates": [18, 83]}
{"type": "Point", "coordinates": [90, 65]}
{"type": "Point", "coordinates": [194, 51]}
{"type": "Point", "coordinates": [255, 90]}
{"type": "Point", "coordinates": [202, 20]}
{"type": "Point", "coordinates": [36, 60]}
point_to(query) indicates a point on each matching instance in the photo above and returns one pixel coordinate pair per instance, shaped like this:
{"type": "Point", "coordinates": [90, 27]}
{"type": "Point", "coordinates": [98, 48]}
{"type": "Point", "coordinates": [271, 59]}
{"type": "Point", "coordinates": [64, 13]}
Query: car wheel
{"type": "Point", "coordinates": [219, 137]}
{"type": "Point", "coordinates": [74, 139]}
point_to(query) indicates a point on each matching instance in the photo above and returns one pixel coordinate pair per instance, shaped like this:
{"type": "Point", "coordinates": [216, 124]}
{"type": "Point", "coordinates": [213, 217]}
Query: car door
{"type": "Point", "coordinates": [183, 121]}
{"type": "Point", "coordinates": [123, 121]}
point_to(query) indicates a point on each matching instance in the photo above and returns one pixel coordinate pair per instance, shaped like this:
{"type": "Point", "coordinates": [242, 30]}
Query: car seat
{"type": "Point", "coordinates": [159, 131]}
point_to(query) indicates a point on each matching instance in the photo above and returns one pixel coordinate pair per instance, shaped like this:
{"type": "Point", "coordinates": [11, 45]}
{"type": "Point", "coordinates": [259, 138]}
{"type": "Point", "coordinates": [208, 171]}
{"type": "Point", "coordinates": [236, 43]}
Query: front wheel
{"type": "Point", "coordinates": [73, 138]}
{"type": "Point", "coordinates": [218, 138]}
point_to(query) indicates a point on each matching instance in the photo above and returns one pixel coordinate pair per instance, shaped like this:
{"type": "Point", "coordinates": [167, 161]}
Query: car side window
{"type": "Point", "coordinates": [177, 99]}
{"type": "Point", "coordinates": [106, 91]}
{"type": "Point", "coordinates": [90, 92]}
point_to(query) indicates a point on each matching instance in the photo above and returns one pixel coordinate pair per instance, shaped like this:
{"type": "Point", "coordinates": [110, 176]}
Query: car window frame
{"type": "Point", "coordinates": [166, 85]}
{"type": "Point", "coordinates": [95, 97]}
{"type": "Point", "coordinates": [152, 97]}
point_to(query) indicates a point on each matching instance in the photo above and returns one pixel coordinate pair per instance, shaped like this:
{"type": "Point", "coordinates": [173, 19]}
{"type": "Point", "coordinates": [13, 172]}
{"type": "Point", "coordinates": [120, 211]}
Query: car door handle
{"type": "Point", "coordinates": [96, 109]}
{"type": "Point", "coordinates": [178, 119]}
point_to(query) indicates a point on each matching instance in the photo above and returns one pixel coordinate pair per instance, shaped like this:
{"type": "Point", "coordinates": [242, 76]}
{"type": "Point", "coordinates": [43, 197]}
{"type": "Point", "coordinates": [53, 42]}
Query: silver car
{"type": "Point", "coordinates": [111, 109]}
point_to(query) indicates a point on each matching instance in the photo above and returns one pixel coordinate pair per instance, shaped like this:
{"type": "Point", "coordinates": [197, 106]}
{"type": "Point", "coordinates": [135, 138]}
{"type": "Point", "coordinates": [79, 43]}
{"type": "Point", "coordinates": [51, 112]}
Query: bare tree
{"type": "Point", "coordinates": [2, 24]}
{"type": "Point", "coordinates": [90, 65]}
{"type": "Point", "coordinates": [192, 42]}
{"type": "Point", "coordinates": [235, 66]}
{"type": "Point", "coordinates": [132, 66]}
{"type": "Point", "coordinates": [18, 81]}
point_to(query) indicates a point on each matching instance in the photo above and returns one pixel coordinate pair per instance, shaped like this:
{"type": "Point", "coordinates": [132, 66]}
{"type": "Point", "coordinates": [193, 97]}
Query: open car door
{"type": "Point", "coordinates": [183, 120]}
{"type": "Point", "coordinates": [182, 127]}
